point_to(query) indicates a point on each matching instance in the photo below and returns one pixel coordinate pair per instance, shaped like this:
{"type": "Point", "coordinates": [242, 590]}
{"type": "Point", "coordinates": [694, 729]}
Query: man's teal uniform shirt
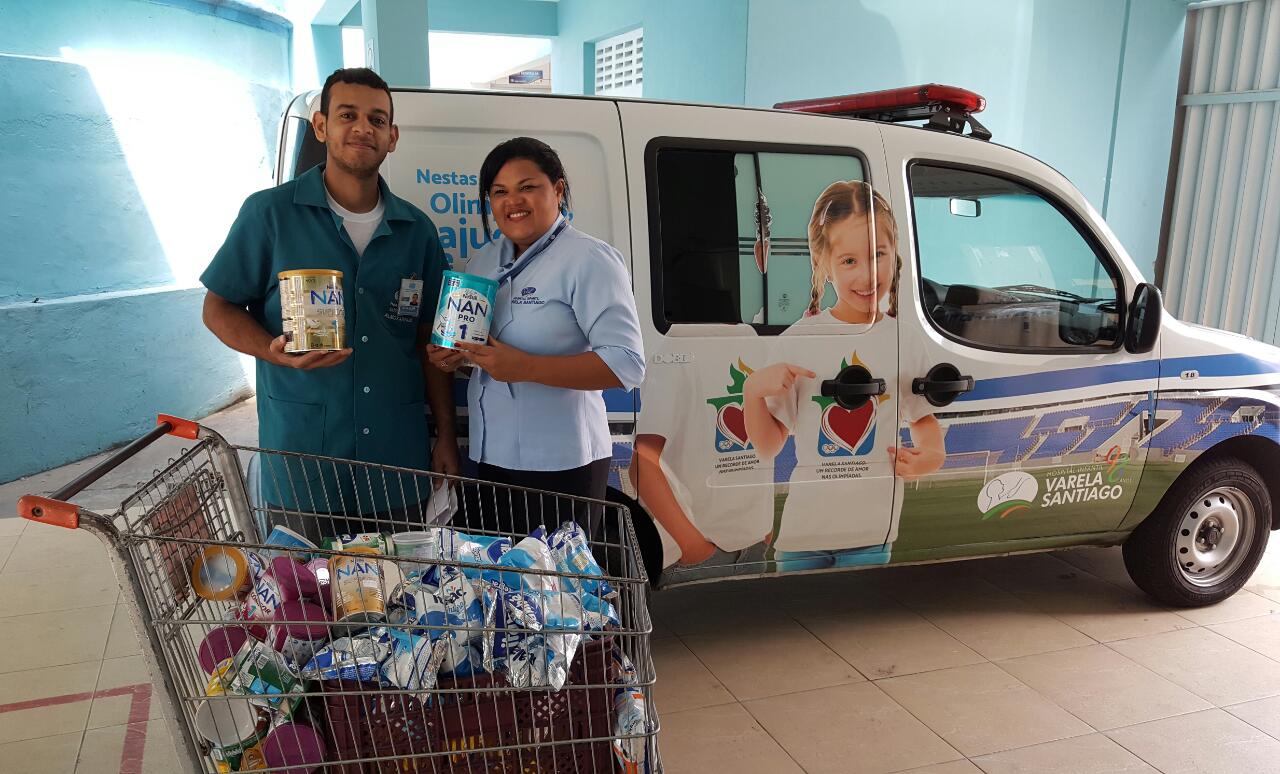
{"type": "Point", "coordinates": [370, 407]}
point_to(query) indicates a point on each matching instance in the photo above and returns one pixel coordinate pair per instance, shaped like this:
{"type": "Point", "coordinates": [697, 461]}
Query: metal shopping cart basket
{"type": "Point", "coordinates": [316, 616]}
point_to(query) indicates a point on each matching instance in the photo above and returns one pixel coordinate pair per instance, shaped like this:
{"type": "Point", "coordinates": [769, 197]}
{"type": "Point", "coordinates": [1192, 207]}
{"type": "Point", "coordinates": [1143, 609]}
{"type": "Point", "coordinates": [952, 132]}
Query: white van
{"type": "Point", "coordinates": [1018, 390]}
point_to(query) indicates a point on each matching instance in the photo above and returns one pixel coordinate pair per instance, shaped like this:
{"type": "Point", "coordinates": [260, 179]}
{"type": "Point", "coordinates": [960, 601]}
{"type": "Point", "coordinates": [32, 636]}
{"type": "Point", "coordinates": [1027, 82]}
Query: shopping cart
{"type": "Point", "coordinates": [314, 616]}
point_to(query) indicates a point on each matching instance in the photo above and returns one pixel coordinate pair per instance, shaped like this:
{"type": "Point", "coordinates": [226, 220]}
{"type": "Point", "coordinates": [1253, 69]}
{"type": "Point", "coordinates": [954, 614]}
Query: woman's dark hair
{"type": "Point", "coordinates": [528, 148]}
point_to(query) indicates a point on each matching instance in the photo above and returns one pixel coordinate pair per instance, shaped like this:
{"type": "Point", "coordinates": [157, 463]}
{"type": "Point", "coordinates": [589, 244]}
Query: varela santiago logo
{"type": "Point", "coordinates": [1007, 493]}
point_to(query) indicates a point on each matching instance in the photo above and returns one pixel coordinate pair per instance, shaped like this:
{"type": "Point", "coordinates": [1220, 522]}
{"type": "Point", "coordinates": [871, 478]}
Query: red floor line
{"type": "Point", "coordinates": [135, 735]}
{"type": "Point", "coordinates": [50, 701]}
{"type": "Point", "coordinates": [71, 698]}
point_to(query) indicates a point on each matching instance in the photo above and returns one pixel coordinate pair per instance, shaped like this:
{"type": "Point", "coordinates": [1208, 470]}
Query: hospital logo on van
{"type": "Point", "coordinates": [731, 423]}
{"type": "Point", "coordinates": [847, 432]}
{"type": "Point", "coordinates": [1007, 494]}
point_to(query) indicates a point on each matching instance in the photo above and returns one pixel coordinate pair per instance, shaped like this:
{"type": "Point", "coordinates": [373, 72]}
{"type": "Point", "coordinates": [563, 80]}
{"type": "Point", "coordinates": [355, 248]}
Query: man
{"type": "Point", "coordinates": [364, 402]}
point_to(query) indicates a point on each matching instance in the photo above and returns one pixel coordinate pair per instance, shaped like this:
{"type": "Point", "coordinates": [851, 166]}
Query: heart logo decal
{"type": "Point", "coordinates": [849, 428]}
{"type": "Point", "coordinates": [732, 424]}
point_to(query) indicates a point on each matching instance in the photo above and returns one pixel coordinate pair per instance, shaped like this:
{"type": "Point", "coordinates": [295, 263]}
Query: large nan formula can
{"type": "Point", "coordinates": [356, 580]}
{"type": "Point", "coordinates": [465, 310]}
{"type": "Point", "coordinates": [311, 310]}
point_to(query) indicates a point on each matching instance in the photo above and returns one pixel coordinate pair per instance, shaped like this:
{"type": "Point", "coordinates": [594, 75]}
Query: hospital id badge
{"type": "Point", "coordinates": [409, 300]}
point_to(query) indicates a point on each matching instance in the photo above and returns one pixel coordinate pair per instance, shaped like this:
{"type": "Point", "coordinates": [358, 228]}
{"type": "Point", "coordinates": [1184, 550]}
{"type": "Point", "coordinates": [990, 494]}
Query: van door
{"type": "Point", "coordinates": [1016, 299]}
{"type": "Point", "coordinates": [436, 165]}
{"type": "Point", "coordinates": [752, 381]}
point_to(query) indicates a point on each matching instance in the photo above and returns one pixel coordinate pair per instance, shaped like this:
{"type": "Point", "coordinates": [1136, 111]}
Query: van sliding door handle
{"type": "Point", "coordinates": [852, 387]}
{"type": "Point", "coordinates": [834, 389]}
{"type": "Point", "coordinates": [922, 386]}
{"type": "Point", "coordinates": [943, 384]}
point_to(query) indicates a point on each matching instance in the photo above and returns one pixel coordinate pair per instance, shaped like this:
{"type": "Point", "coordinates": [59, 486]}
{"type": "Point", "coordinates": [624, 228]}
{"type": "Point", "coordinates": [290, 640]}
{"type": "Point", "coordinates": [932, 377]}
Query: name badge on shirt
{"type": "Point", "coordinates": [409, 300]}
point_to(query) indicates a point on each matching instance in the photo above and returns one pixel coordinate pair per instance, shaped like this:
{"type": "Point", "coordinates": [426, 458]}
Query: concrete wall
{"type": "Point", "coordinates": [1143, 131]}
{"type": "Point", "coordinates": [1088, 86]}
{"type": "Point", "coordinates": [133, 130]}
{"type": "Point", "coordinates": [486, 17]}
{"type": "Point", "coordinates": [694, 50]}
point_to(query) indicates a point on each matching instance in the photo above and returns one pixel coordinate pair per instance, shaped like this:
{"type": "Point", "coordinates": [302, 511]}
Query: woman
{"type": "Point", "coordinates": [564, 328]}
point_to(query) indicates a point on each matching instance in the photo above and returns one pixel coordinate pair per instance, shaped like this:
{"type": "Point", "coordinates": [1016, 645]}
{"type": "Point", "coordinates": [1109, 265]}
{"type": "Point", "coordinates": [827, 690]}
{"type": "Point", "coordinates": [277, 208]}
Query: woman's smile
{"type": "Point", "coordinates": [525, 201]}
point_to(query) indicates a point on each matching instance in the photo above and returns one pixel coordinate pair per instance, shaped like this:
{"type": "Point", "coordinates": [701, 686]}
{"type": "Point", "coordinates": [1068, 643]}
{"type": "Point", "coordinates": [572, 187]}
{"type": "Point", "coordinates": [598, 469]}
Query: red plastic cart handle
{"type": "Point", "coordinates": [48, 511]}
{"type": "Point", "coordinates": [182, 428]}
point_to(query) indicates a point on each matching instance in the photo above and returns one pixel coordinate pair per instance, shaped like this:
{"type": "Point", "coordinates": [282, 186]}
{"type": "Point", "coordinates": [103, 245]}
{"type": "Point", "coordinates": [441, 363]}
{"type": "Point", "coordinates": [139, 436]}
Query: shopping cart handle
{"type": "Point", "coordinates": [179, 427]}
{"type": "Point", "coordinates": [55, 509]}
{"type": "Point", "coordinates": [49, 511]}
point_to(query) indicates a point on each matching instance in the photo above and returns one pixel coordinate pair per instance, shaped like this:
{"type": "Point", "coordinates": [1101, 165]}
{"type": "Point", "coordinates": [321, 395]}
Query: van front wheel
{"type": "Point", "coordinates": [1205, 538]}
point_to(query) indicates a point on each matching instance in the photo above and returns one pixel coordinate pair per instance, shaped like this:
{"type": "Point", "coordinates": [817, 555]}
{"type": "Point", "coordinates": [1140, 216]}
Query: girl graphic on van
{"type": "Point", "coordinates": [853, 246]}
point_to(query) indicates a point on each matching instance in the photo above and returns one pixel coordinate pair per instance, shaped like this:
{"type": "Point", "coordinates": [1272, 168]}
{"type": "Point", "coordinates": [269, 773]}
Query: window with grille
{"type": "Point", "coordinates": [620, 64]}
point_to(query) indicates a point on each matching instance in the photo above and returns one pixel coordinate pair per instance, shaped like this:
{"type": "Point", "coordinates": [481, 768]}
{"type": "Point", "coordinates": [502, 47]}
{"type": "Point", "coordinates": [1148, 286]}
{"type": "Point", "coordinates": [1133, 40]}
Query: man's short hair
{"type": "Point", "coordinates": [360, 76]}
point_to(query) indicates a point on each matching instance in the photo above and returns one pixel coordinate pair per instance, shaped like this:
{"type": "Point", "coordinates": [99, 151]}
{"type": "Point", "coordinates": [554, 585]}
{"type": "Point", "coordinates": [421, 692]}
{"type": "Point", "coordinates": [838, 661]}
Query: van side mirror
{"type": "Point", "coordinates": [1143, 325]}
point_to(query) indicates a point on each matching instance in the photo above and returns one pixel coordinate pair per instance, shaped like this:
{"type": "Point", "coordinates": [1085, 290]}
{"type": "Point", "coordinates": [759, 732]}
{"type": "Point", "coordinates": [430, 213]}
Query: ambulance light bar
{"type": "Point", "coordinates": [945, 108]}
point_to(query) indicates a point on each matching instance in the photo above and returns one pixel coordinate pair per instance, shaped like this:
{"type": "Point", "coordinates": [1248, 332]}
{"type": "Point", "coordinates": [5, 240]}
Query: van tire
{"type": "Point", "coordinates": [1206, 537]}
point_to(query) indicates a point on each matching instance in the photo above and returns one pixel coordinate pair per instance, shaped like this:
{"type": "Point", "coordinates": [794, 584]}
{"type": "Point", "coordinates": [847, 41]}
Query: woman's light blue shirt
{"type": "Point", "coordinates": [570, 297]}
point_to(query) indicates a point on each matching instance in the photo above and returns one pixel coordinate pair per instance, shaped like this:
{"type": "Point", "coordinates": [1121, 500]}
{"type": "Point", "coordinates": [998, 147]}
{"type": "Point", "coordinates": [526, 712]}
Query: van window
{"type": "Point", "coordinates": [1002, 267]}
{"type": "Point", "coordinates": [712, 208]}
{"type": "Point", "coordinates": [300, 149]}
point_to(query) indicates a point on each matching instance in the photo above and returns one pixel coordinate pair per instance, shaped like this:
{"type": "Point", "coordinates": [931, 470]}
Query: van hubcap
{"type": "Point", "coordinates": [1211, 538]}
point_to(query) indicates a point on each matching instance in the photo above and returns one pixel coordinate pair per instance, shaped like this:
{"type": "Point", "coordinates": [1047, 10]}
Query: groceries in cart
{"type": "Point", "coordinates": [399, 611]}
{"type": "Point", "coordinates": [631, 718]}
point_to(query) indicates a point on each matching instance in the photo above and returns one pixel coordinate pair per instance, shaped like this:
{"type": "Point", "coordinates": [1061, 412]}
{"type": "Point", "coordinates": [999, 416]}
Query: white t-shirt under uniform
{"type": "Point", "coordinates": [359, 225]}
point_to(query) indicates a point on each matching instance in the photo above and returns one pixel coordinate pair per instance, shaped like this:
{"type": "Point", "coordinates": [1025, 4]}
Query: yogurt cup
{"type": "Point", "coordinates": [295, 746]}
{"type": "Point", "coordinates": [301, 629]}
{"type": "Point", "coordinates": [419, 548]}
{"type": "Point", "coordinates": [220, 643]}
{"type": "Point", "coordinates": [295, 580]}
{"type": "Point", "coordinates": [418, 545]}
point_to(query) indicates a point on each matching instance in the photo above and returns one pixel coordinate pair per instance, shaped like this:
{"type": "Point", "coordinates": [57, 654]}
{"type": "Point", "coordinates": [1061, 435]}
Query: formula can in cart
{"type": "Point", "coordinates": [234, 729]}
{"type": "Point", "coordinates": [464, 311]}
{"type": "Point", "coordinates": [311, 310]}
{"type": "Point", "coordinates": [356, 581]}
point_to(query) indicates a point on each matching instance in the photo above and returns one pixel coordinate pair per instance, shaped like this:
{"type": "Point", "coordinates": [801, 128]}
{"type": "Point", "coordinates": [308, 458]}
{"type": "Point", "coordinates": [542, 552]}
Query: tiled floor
{"type": "Point", "coordinates": [1041, 663]}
